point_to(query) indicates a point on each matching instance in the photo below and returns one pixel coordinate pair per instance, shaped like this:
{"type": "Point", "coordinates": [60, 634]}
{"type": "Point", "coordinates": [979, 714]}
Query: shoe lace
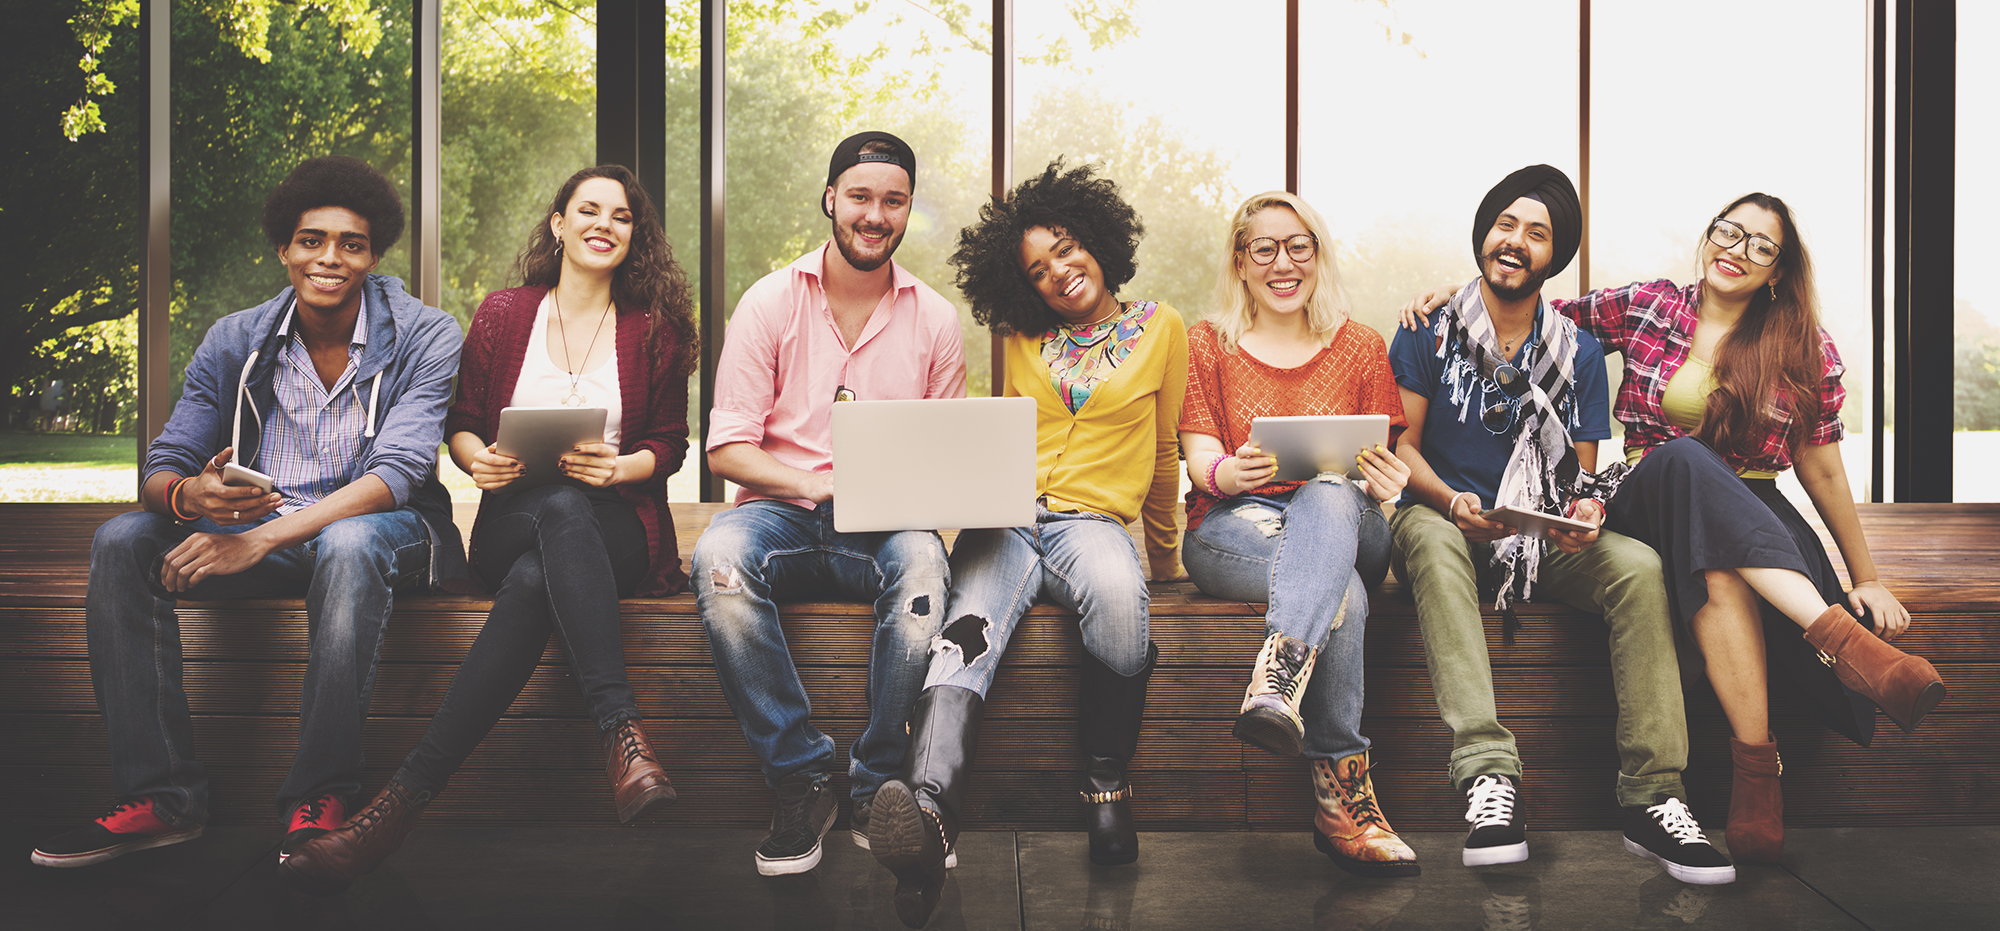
{"type": "Point", "coordinates": [795, 809]}
{"type": "Point", "coordinates": [1355, 795]}
{"type": "Point", "coordinates": [374, 814]}
{"type": "Point", "coordinates": [310, 811]}
{"type": "Point", "coordinates": [634, 750]}
{"type": "Point", "coordinates": [1282, 675]}
{"type": "Point", "coordinates": [1490, 801]}
{"type": "Point", "coordinates": [119, 806]}
{"type": "Point", "coordinates": [1674, 816]}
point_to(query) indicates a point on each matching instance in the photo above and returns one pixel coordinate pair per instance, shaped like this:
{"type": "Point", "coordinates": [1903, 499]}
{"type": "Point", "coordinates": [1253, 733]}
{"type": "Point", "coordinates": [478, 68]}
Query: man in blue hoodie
{"type": "Point", "coordinates": [333, 394]}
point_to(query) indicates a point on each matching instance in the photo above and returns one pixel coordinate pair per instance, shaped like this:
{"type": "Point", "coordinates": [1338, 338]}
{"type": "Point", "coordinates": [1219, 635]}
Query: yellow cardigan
{"type": "Point", "coordinates": [1098, 458]}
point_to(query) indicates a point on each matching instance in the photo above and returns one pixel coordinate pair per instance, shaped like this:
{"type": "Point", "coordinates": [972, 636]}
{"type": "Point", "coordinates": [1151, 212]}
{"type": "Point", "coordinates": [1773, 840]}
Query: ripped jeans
{"type": "Point", "coordinates": [763, 551]}
{"type": "Point", "coordinates": [1311, 554]}
{"type": "Point", "coordinates": [1084, 562]}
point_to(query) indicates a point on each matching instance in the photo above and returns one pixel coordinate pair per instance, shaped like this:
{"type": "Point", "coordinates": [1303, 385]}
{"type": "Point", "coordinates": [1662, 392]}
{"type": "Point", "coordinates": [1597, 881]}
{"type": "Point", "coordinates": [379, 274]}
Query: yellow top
{"type": "Point", "coordinates": [1686, 403]}
{"type": "Point", "coordinates": [1119, 455]}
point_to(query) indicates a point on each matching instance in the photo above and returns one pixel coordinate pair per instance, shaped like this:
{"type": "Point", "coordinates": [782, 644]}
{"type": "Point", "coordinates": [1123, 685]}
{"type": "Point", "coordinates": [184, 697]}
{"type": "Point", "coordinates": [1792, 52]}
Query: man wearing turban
{"type": "Point", "coordinates": [1506, 403]}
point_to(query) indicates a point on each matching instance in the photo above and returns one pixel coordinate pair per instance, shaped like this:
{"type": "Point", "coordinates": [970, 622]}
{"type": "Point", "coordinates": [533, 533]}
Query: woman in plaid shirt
{"type": "Point", "coordinates": [1728, 382]}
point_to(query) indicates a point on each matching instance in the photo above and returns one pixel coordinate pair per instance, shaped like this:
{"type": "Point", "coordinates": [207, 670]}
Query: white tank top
{"type": "Point", "coordinates": [544, 384]}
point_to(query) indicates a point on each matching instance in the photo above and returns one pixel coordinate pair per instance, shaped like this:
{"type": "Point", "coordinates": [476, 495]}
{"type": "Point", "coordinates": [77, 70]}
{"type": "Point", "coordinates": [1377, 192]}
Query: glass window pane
{"type": "Point", "coordinates": [1667, 154]}
{"type": "Point", "coordinates": [1186, 113]}
{"type": "Point", "coordinates": [1410, 113]}
{"type": "Point", "coordinates": [519, 106]}
{"type": "Point", "coordinates": [797, 86]}
{"type": "Point", "coordinates": [1976, 314]}
{"type": "Point", "coordinates": [72, 229]}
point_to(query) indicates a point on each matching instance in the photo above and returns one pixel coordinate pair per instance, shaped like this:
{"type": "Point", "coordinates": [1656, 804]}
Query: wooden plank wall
{"type": "Point", "coordinates": [541, 764]}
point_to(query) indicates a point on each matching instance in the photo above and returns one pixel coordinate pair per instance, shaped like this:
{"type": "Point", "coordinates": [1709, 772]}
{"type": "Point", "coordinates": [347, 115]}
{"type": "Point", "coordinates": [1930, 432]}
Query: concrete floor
{"type": "Point", "coordinates": [506, 878]}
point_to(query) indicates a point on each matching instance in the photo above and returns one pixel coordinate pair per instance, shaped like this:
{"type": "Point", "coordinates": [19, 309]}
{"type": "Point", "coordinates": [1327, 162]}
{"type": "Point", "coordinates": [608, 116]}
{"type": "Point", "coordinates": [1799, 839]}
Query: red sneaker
{"type": "Point", "coordinates": [130, 825]}
{"type": "Point", "coordinates": [314, 816]}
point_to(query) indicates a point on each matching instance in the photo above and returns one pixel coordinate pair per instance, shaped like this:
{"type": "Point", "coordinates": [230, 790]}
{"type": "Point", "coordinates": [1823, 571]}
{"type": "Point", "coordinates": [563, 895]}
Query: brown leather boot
{"type": "Point", "coordinates": [331, 862]}
{"type": "Point", "coordinates": [638, 784]}
{"type": "Point", "coordinates": [1905, 687]}
{"type": "Point", "coordinates": [1756, 830]}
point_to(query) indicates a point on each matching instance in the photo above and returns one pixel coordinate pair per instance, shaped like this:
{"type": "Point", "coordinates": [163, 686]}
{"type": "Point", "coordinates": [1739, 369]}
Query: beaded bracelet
{"type": "Point", "coordinates": [1213, 464]}
{"type": "Point", "coordinates": [174, 497]}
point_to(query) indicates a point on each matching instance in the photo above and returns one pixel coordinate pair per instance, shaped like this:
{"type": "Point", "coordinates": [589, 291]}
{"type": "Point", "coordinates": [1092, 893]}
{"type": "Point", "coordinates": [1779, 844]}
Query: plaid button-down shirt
{"type": "Point", "coordinates": [312, 437]}
{"type": "Point", "coordinates": [1652, 325]}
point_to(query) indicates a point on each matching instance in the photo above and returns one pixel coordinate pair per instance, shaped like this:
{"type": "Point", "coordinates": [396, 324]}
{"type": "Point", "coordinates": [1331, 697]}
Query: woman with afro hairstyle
{"type": "Point", "coordinates": [1280, 343]}
{"type": "Point", "coordinates": [603, 320]}
{"type": "Point", "coordinates": [1042, 268]}
{"type": "Point", "coordinates": [1728, 382]}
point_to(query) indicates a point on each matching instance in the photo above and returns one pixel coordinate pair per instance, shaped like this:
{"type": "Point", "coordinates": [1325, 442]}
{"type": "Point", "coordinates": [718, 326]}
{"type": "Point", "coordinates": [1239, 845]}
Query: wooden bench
{"type": "Point", "coordinates": [244, 662]}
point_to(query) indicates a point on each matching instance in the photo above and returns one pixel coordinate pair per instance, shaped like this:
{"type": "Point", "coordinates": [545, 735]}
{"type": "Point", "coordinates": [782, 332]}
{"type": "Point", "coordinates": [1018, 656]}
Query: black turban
{"type": "Point", "coordinates": [1543, 183]}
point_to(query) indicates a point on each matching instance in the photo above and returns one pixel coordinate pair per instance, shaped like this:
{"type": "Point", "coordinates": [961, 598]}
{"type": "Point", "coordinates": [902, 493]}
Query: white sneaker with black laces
{"type": "Point", "coordinates": [1667, 834]}
{"type": "Point", "coordinates": [1498, 833]}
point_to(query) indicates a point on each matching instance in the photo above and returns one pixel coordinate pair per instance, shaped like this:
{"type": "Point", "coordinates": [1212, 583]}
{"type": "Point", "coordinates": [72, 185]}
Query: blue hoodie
{"type": "Point", "coordinates": [405, 371]}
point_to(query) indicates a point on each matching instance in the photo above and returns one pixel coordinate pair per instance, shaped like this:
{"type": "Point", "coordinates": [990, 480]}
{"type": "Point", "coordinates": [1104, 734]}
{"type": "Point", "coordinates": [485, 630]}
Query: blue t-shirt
{"type": "Point", "coordinates": [1467, 456]}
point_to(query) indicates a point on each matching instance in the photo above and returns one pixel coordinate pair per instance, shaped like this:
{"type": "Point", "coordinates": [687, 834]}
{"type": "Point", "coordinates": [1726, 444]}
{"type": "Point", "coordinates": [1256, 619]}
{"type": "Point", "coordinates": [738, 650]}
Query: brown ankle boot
{"type": "Point", "coordinates": [331, 862]}
{"type": "Point", "coordinates": [637, 781]}
{"type": "Point", "coordinates": [1905, 687]}
{"type": "Point", "coordinates": [1756, 804]}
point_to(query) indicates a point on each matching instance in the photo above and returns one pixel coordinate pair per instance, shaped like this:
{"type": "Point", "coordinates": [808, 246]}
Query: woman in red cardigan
{"type": "Point", "coordinates": [604, 320]}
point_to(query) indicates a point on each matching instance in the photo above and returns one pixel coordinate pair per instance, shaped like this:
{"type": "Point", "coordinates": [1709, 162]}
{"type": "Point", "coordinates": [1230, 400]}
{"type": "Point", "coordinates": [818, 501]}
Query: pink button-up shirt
{"type": "Point", "coordinates": [783, 359]}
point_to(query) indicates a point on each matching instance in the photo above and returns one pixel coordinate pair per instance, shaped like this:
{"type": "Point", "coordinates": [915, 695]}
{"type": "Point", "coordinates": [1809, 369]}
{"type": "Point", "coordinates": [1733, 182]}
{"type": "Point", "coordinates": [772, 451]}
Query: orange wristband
{"type": "Point", "coordinates": [174, 497]}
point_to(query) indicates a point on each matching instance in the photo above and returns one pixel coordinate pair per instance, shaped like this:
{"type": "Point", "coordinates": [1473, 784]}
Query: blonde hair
{"type": "Point", "coordinates": [1234, 313]}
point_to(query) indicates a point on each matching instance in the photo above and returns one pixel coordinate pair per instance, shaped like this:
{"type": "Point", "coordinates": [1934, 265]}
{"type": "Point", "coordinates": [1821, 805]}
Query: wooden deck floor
{"type": "Point", "coordinates": [244, 661]}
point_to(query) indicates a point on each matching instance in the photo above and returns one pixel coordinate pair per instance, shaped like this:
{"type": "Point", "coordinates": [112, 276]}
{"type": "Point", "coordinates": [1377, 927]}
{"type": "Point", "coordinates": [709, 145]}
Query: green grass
{"type": "Point", "coordinates": [68, 449]}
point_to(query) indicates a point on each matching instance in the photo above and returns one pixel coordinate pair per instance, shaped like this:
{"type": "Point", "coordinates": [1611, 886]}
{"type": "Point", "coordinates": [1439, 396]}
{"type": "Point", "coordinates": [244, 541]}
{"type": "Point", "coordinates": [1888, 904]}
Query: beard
{"type": "Point", "coordinates": [850, 246]}
{"type": "Point", "coordinates": [1532, 284]}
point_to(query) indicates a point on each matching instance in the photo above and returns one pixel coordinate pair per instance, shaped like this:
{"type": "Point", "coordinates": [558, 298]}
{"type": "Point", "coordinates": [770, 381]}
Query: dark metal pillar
{"type": "Point", "coordinates": [632, 89]}
{"type": "Point", "coordinates": [1920, 247]}
{"type": "Point", "coordinates": [714, 268]}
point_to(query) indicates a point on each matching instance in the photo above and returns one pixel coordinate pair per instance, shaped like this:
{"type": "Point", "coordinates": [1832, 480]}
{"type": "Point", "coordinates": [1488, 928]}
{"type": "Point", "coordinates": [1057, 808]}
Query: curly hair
{"type": "Point", "coordinates": [335, 181]}
{"type": "Point", "coordinates": [649, 281]}
{"type": "Point", "coordinates": [1076, 201]}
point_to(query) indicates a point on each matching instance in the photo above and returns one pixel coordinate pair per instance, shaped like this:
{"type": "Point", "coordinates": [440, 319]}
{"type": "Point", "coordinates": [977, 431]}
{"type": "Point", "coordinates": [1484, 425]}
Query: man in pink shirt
{"type": "Point", "coordinates": [843, 322]}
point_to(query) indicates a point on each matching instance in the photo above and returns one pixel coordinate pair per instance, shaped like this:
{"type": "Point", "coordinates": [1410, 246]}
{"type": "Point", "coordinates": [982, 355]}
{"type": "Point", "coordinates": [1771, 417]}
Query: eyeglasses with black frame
{"type": "Point", "coordinates": [1301, 248]}
{"type": "Point", "coordinates": [1499, 418]}
{"type": "Point", "coordinates": [1727, 233]}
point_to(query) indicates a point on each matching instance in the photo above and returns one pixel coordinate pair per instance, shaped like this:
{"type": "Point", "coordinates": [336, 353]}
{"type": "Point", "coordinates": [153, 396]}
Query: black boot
{"type": "Point", "coordinates": [1109, 709]}
{"type": "Point", "coordinates": [912, 825]}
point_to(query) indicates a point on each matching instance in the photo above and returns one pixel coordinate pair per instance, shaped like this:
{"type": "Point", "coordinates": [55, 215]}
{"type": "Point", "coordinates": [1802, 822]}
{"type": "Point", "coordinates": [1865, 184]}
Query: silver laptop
{"type": "Point", "coordinates": [941, 464]}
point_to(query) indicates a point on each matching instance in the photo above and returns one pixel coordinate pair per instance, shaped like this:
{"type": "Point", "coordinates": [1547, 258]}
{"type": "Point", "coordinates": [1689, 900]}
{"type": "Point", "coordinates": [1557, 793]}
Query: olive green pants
{"type": "Point", "coordinates": [1618, 578]}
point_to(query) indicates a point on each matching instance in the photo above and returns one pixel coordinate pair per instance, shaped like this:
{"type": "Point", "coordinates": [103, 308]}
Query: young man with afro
{"type": "Point", "coordinates": [335, 391]}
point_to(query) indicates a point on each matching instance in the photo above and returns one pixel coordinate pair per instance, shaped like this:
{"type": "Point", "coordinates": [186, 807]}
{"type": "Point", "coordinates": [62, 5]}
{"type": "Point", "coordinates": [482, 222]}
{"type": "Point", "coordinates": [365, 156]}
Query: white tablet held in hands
{"type": "Point", "coordinates": [1534, 522]}
{"type": "Point", "coordinates": [1306, 446]}
{"type": "Point", "coordinates": [538, 436]}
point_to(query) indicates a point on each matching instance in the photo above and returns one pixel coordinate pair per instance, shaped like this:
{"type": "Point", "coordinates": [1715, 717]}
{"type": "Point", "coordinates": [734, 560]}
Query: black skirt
{"type": "Point", "coordinates": [1686, 502]}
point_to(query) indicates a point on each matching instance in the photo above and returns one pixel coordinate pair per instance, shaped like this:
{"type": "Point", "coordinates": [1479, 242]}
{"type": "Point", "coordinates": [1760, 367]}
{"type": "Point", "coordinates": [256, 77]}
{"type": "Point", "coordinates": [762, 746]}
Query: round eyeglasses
{"type": "Point", "coordinates": [1301, 248]}
{"type": "Point", "coordinates": [1727, 233]}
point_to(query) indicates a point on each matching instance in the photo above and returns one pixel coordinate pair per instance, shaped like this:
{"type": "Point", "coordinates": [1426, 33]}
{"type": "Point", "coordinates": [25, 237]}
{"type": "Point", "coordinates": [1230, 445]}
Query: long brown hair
{"type": "Point", "coordinates": [649, 281]}
{"type": "Point", "coordinates": [1773, 356]}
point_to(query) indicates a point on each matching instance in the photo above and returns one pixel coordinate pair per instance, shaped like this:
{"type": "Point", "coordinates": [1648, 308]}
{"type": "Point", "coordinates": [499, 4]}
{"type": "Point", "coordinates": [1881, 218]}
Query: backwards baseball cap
{"type": "Point", "coordinates": [848, 154]}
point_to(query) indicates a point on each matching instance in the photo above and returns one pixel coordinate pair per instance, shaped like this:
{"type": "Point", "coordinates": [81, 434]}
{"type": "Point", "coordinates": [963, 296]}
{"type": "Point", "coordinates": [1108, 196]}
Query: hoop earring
{"type": "Point", "coordinates": [1774, 285]}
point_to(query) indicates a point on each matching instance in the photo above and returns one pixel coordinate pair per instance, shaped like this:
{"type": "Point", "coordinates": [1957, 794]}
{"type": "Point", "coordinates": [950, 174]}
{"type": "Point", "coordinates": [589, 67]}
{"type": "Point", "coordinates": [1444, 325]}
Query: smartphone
{"type": "Point", "coordinates": [233, 474]}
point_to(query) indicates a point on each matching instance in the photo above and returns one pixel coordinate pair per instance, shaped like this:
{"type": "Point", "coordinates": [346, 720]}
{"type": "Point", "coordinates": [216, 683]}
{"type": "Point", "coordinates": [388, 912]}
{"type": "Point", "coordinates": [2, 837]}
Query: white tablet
{"type": "Point", "coordinates": [1534, 522]}
{"type": "Point", "coordinates": [1306, 446]}
{"type": "Point", "coordinates": [538, 436]}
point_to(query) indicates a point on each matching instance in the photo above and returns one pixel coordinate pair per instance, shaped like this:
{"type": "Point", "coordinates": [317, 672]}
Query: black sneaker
{"type": "Point", "coordinates": [313, 817]}
{"type": "Point", "coordinates": [130, 825]}
{"type": "Point", "coordinates": [806, 811]}
{"type": "Point", "coordinates": [1668, 835]}
{"type": "Point", "coordinates": [1498, 833]}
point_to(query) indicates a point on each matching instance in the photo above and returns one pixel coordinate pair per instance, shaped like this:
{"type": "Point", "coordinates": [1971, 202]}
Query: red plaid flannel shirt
{"type": "Point", "coordinates": [1652, 325]}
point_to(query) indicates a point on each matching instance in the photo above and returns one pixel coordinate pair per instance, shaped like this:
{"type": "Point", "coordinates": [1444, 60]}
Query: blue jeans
{"type": "Point", "coordinates": [562, 557]}
{"type": "Point", "coordinates": [1310, 554]}
{"type": "Point", "coordinates": [348, 575]}
{"type": "Point", "coordinates": [1084, 562]}
{"type": "Point", "coordinates": [762, 551]}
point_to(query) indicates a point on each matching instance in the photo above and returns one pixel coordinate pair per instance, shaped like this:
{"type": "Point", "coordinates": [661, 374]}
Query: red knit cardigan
{"type": "Point", "coordinates": [654, 414]}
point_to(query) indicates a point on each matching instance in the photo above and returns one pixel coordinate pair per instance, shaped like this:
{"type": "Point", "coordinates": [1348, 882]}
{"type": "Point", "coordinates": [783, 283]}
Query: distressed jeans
{"type": "Point", "coordinates": [1084, 562]}
{"type": "Point", "coordinates": [348, 575]}
{"type": "Point", "coordinates": [1310, 555]}
{"type": "Point", "coordinates": [1618, 578]}
{"type": "Point", "coordinates": [762, 551]}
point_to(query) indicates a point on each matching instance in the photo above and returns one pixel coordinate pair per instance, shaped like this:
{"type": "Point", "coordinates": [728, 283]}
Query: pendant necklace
{"type": "Point", "coordinates": [575, 397]}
